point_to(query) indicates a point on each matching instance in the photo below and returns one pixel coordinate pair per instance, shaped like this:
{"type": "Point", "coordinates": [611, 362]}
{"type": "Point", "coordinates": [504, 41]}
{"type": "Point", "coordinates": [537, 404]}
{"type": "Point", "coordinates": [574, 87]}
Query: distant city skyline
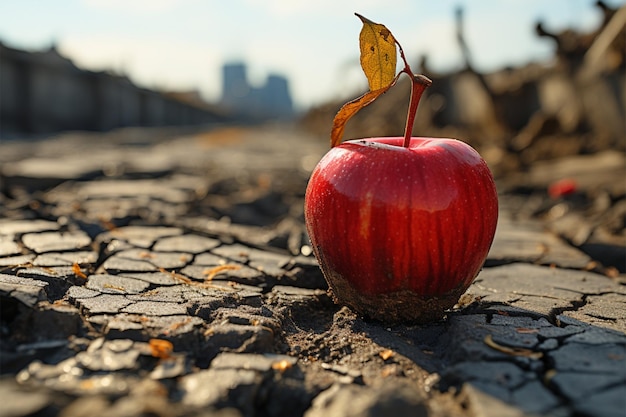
{"type": "Point", "coordinates": [272, 99]}
{"type": "Point", "coordinates": [183, 44]}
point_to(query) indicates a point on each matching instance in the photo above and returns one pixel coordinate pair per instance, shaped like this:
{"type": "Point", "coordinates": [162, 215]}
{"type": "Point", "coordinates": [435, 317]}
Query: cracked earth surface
{"type": "Point", "coordinates": [173, 277]}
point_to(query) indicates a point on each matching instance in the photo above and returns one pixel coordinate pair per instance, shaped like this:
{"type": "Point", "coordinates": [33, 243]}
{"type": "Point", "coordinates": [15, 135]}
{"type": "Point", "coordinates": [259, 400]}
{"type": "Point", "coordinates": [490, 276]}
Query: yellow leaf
{"type": "Point", "coordinates": [77, 271]}
{"type": "Point", "coordinates": [350, 109]}
{"type": "Point", "coordinates": [378, 54]}
{"type": "Point", "coordinates": [160, 348]}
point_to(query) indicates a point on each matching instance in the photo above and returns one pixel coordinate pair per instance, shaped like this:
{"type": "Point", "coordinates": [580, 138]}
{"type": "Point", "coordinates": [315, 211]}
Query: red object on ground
{"type": "Point", "coordinates": [561, 188]}
{"type": "Point", "coordinates": [400, 233]}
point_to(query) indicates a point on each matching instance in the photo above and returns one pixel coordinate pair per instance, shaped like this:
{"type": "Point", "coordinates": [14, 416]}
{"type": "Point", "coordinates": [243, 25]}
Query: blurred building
{"type": "Point", "coordinates": [44, 92]}
{"type": "Point", "coordinates": [270, 101]}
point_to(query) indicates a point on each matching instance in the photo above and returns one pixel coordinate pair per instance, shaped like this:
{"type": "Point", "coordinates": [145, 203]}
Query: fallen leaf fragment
{"type": "Point", "coordinates": [77, 271]}
{"type": "Point", "coordinates": [511, 350]}
{"type": "Point", "coordinates": [526, 330]}
{"type": "Point", "coordinates": [160, 348]}
{"type": "Point", "coordinates": [213, 272]}
{"type": "Point", "coordinates": [386, 354]}
{"type": "Point", "coordinates": [177, 277]}
{"type": "Point", "coordinates": [281, 366]}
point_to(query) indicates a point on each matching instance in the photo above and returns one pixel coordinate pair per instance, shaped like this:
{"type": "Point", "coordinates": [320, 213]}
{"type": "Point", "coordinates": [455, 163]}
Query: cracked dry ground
{"type": "Point", "coordinates": [147, 274]}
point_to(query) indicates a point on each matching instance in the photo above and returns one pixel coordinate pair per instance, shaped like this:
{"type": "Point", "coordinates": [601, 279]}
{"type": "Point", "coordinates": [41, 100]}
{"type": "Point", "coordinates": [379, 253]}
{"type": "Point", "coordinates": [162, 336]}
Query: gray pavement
{"type": "Point", "coordinates": [170, 275]}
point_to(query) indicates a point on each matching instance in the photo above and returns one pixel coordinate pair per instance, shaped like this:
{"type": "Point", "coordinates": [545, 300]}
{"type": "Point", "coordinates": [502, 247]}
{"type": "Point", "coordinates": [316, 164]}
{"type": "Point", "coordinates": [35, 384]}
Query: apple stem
{"type": "Point", "coordinates": [419, 83]}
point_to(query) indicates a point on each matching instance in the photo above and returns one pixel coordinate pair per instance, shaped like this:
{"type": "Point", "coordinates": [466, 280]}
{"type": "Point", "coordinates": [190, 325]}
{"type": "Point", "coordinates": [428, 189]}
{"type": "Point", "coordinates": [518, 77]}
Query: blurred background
{"type": "Point", "coordinates": [497, 65]}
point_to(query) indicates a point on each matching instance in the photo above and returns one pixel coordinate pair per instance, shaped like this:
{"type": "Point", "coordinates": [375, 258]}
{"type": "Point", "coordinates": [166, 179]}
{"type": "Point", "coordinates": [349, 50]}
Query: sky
{"type": "Point", "coordinates": [183, 44]}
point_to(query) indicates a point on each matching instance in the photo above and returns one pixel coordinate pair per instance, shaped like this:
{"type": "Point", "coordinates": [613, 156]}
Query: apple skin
{"type": "Point", "coordinates": [401, 233]}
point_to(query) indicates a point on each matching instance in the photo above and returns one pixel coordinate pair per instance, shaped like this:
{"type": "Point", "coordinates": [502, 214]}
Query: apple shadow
{"type": "Point", "coordinates": [514, 357]}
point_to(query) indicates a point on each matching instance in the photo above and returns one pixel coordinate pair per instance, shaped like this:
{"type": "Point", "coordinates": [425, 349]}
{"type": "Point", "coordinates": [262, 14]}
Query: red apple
{"type": "Point", "coordinates": [401, 232]}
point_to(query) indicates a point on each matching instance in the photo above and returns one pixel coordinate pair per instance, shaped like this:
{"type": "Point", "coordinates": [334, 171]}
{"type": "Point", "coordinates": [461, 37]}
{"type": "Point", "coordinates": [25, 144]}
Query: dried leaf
{"type": "Point", "coordinates": [378, 54]}
{"type": "Point", "coordinates": [386, 354]}
{"type": "Point", "coordinates": [281, 366]}
{"type": "Point", "coordinates": [213, 272]}
{"type": "Point", "coordinates": [178, 277]}
{"type": "Point", "coordinates": [350, 109]}
{"type": "Point", "coordinates": [160, 348]}
{"type": "Point", "coordinates": [378, 60]}
{"type": "Point", "coordinates": [77, 271]}
{"type": "Point", "coordinates": [526, 330]}
{"type": "Point", "coordinates": [511, 350]}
